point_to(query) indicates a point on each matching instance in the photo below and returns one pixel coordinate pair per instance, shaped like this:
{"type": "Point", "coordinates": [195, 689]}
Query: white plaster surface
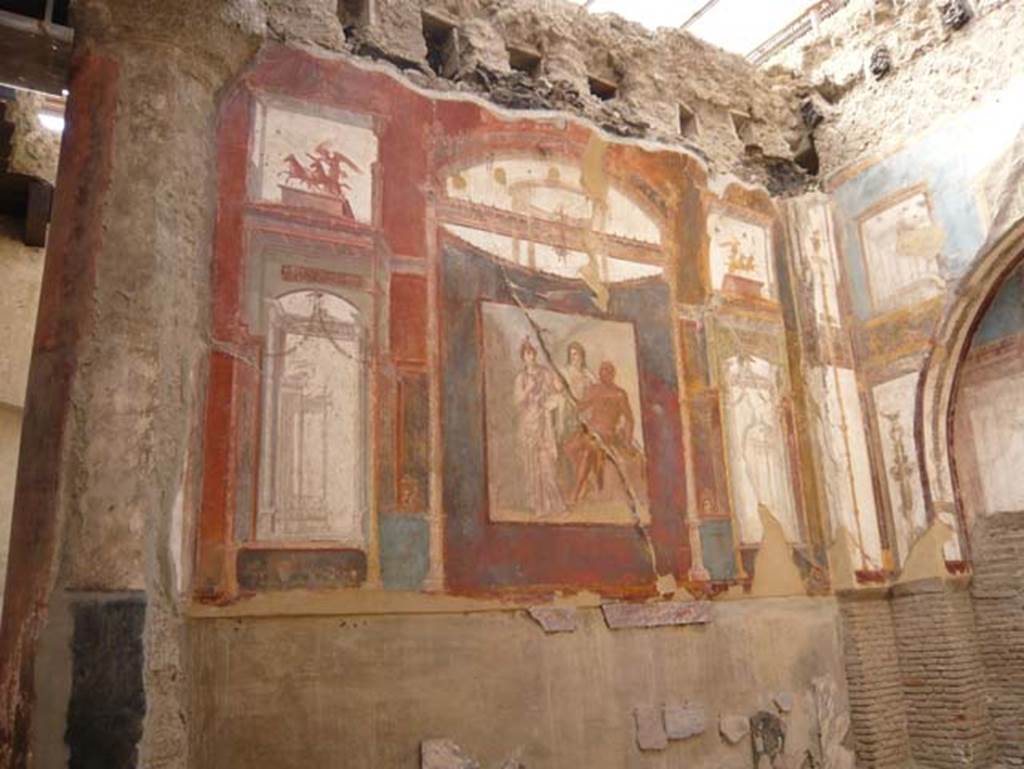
{"type": "Point", "coordinates": [844, 458]}
{"type": "Point", "coordinates": [996, 411]}
{"type": "Point", "coordinates": [894, 406]}
{"type": "Point", "coordinates": [758, 462]}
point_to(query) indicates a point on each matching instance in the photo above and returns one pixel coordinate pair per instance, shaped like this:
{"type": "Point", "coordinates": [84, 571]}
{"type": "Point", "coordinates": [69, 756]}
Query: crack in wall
{"type": "Point", "coordinates": [607, 451]}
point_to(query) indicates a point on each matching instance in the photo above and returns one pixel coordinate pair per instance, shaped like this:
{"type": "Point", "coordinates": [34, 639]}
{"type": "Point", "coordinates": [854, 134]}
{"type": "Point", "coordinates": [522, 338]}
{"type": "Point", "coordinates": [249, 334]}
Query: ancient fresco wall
{"type": "Point", "coordinates": [498, 377]}
{"type": "Point", "coordinates": [988, 430]}
{"type": "Point", "coordinates": [465, 353]}
{"type": "Point", "coordinates": [909, 225]}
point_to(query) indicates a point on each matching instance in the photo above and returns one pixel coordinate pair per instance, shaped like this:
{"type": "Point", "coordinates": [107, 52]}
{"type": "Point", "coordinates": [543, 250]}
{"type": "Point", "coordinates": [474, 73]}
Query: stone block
{"type": "Point", "coordinates": [684, 721]}
{"type": "Point", "coordinates": [554, 619]}
{"type": "Point", "coordinates": [640, 615]}
{"type": "Point", "coordinates": [650, 728]}
{"type": "Point", "coordinates": [733, 728]}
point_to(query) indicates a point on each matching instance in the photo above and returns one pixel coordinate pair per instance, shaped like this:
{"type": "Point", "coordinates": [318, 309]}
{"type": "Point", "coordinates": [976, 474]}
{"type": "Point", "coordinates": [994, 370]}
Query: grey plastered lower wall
{"type": "Point", "coordinates": [362, 692]}
{"type": "Point", "coordinates": [998, 592]}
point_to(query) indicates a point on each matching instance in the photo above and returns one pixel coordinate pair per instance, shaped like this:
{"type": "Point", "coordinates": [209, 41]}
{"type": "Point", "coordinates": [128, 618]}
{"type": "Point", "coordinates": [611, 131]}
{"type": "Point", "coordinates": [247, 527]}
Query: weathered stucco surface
{"type": "Point", "coordinates": [936, 73]}
{"type": "Point", "coordinates": [34, 148]}
{"type": "Point", "coordinates": [654, 73]}
{"type": "Point", "coordinates": [291, 692]}
{"type": "Point", "coordinates": [111, 492]}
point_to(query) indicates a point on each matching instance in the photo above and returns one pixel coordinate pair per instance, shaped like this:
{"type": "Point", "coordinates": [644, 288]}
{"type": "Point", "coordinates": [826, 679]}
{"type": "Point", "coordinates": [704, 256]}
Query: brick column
{"type": "Point", "coordinates": [944, 684]}
{"type": "Point", "coordinates": [877, 711]}
{"type": "Point", "coordinates": [998, 593]}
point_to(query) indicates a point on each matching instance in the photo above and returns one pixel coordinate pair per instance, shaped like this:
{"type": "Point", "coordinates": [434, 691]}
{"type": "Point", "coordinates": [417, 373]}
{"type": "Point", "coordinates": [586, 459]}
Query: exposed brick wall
{"type": "Point", "coordinates": [998, 592]}
{"type": "Point", "coordinates": [944, 682]}
{"type": "Point", "coordinates": [874, 681]}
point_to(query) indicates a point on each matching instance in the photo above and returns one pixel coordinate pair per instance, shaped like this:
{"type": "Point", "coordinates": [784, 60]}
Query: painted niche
{"type": "Point", "coordinates": [988, 437]}
{"type": "Point", "coordinates": [313, 466]}
{"type": "Point", "coordinates": [740, 257]}
{"type": "Point", "coordinates": [902, 248]}
{"type": "Point", "coordinates": [314, 157]}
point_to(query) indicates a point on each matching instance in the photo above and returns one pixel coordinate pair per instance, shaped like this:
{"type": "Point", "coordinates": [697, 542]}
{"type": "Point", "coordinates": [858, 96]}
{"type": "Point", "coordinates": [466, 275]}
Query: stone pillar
{"type": "Point", "coordinates": [944, 684]}
{"type": "Point", "coordinates": [108, 471]}
{"type": "Point", "coordinates": [877, 709]}
{"type": "Point", "coordinates": [998, 592]}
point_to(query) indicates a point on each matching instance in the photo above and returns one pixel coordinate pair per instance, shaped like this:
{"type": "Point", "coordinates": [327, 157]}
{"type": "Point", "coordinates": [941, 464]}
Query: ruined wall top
{"type": "Point", "coordinates": [884, 71]}
{"type": "Point", "coordinates": [665, 86]}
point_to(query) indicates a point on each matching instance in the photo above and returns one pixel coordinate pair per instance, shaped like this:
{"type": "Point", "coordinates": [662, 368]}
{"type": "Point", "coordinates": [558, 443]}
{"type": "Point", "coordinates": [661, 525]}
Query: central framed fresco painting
{"type": "Point", "coordinates": [564, 438]}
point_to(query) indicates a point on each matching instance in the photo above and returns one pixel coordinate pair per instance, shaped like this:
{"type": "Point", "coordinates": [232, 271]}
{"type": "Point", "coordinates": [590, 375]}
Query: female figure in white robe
{"type": "Point", "coordinates": [537, 397]}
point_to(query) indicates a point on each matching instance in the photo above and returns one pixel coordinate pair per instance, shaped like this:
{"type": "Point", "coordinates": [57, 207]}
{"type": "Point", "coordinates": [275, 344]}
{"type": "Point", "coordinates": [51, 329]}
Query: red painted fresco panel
{"type": "Point", "coordinates": [375, 171]}
{"type": "Point", "coordinates": [409, 318]}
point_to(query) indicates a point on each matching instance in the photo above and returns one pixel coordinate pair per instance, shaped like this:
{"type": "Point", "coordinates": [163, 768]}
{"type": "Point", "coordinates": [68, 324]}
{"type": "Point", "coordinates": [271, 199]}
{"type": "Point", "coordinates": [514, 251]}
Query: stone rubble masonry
{"type": "Point", "coordinates": [998, 593]}
{"type": "Point", "coordinates": [653, 73]}
{"type": "Point", "coordinates": [943, 676]}
{"type": "Point", "coordinates": [873, 679]}
{"type": "Point", "coordinates": [34, 148]}
{"type": "Point", "coordinates": [937, 72]}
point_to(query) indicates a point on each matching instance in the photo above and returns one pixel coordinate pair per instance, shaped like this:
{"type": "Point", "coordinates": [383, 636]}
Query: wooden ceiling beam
{"type": "Point", "coordinates": [34, 55]}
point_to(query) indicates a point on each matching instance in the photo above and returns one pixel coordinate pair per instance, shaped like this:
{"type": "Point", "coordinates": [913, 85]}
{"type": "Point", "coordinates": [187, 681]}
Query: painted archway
{"type": "Point", "coordinates": [938, 385]}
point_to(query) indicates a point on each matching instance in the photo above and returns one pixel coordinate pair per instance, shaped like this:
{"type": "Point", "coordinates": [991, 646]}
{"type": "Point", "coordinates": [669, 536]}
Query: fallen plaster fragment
{"type": "Point", "coordinates": [650, 728]}
{"type": "Point", "coordinates": [634, 615]}
{"type": "Point", "coordinates": [783, 701]}
{"type": "Point", "coordinates": [734, 728]}
{"type": "Point", "coordinates": [554, 619]}
{"type": "Point", "coordinates": [666, 585]}
{"type": "Point", "coordinates": [444, 754]}
{"type": "Point", "coordinates": [684, 721]}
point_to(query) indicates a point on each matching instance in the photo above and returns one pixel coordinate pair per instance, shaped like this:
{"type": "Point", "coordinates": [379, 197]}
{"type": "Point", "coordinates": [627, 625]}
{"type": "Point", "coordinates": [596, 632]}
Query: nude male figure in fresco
{"type": "Point", "coordinates": [579, 378]}
{"type": "Point", "coordinates": [537, 396]}
{"type": "Point", "coordinates": [607, 423]}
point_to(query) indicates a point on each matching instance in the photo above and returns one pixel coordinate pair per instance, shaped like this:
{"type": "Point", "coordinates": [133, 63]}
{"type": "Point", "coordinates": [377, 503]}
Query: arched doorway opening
{"type": "Point", "coordinates": [975, 357]}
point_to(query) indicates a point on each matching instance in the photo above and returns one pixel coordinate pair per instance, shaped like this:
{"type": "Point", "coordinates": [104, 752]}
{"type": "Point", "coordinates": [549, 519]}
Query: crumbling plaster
{"type": "Point", "coordinates": [34, 148]}
{"type": "Point", "coordinates": [655, 72]}
{"type": "Point", "coordinates": [128, 456]}
{"type": "Point", "coordinates": [131, 455]}
{"type": "Point", "coordinates": [937, 72]}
